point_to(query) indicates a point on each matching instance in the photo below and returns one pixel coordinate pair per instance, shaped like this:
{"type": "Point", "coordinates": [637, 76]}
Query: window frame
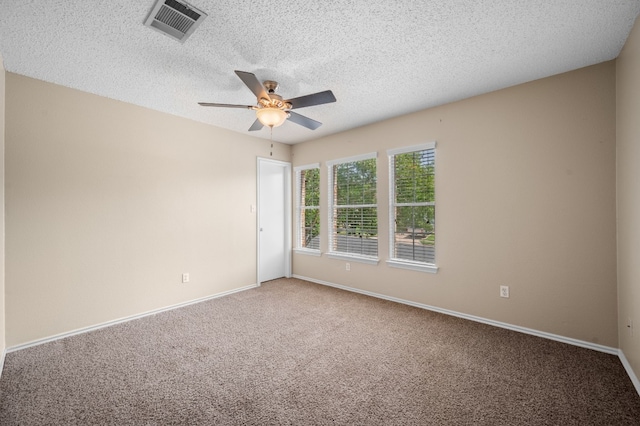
{"type": "Point", "coordinates": [331, 253]}
{"type": "Point", "coordinates": [394, 261]}
{"type": "Point", "coordinates": [300, 206]}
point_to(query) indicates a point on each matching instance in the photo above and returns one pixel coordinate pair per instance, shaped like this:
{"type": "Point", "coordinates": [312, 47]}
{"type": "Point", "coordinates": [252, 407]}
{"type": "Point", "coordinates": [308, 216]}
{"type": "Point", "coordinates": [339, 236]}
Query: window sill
{"type": "Point", "coordinates": [354, 258]}
{"type": "Point", "coordinates": [413, 266]}
{"type": "Point", "coordinates": [308, 252]}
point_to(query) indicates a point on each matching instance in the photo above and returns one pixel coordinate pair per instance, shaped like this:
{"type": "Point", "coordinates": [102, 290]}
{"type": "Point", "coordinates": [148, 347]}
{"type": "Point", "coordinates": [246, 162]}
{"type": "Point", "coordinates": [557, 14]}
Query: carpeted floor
{"type": "Point", "coordinates": [297, 353]}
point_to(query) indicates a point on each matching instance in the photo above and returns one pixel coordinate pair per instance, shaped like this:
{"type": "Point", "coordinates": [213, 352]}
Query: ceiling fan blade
{"type": "Point", "coordinates": [209, 104]}
{"type": "Point", "coordinates": [304, 121]}
{"type": "Point", "coordinates": [257, 125]}
{"type": "Point", "coordinates": [253, 84]}
{"type": "Point", "coordinates": [313, 99]}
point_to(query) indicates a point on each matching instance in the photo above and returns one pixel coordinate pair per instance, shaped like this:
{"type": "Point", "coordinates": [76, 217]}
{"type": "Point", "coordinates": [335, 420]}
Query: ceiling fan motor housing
{"type": "Point", "coordinates": [275, 101]}
{"type": "Point", "coordinates": [271, 86]}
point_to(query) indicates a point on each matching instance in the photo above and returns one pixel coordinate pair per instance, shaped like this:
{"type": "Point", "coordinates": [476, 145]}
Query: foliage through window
{"type": "Point", "coordinates": [308, 207]}
{"type": "Point", "coordinates": [412, 204]}
{"type": "Point", "coordinates": [353, 206]}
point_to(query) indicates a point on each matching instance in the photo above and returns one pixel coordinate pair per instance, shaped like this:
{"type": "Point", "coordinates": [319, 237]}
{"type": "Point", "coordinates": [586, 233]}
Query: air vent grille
{"type": "Point", "coordinates": [176, 19]}
{"type": "Point", "coordinates": [183, 8]}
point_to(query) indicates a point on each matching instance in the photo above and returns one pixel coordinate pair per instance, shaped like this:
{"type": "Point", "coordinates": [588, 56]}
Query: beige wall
{"type": "Point", "coordinates": [525, 197]}
{"type": "Point", "coordinates": [107, 204]}
{"type": "Point", "coordinates": [2, 125]}
{"type": "Point", "coordinates": [628, 181]}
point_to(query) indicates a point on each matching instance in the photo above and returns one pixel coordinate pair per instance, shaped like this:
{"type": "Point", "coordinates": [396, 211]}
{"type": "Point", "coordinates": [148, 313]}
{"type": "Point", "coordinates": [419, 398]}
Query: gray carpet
{"type": "Point", "coordinates": [297, 353]}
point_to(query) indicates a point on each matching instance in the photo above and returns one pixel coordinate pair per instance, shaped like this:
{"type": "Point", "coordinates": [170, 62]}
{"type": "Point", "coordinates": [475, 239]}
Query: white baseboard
{"type": "Point", "coordinates": [2, 357]}
{"type": "Point", "coordinates": [630, 372]}
{"type": "Point", "coordinates": [545, 335]}
{"type": "Point", "coordinates": [568, 340]}
{"type": "Point", "coordinates": [125, 319]}
{"type": "Point", "coordinates": [558, 338]}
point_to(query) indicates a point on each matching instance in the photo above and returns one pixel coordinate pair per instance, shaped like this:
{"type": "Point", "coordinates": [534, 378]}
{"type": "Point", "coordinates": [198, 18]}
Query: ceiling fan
{"type": "Point", "coordinates": [271, 110]}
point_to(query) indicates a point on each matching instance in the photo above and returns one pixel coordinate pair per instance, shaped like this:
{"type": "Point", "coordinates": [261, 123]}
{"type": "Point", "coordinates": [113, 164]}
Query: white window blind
{"type": "Point", "coordinates": [353, 206]}
{"type": "Point", "coordinates": [412, 204]}
{"type": "Point", "coordinates": [308, 207]}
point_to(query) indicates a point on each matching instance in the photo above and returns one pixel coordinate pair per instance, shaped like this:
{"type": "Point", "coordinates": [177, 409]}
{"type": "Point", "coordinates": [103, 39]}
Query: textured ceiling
{"type": "Point", "coordinates": [380, 58]}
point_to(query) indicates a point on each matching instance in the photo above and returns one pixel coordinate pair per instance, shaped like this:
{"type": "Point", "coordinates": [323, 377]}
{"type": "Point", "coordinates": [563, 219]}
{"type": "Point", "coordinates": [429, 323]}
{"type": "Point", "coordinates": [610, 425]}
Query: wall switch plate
{"type": "Point", "coordinates": [348, 266]}
{"type": "Point", "coordinates": [504, 291]}
{"type": "Point", "coordinates": [185, 277]}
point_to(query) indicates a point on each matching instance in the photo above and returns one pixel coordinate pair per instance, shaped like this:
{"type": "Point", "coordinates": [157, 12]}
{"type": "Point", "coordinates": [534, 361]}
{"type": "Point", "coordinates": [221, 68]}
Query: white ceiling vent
{"type": "Point", "coordinates": [177, 19]}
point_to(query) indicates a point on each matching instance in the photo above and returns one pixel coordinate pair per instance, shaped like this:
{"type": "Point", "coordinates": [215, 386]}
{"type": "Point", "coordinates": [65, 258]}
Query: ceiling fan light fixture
{"type": "Point", "coordinates": [271, 110]}
{"type": "Point", "coordinates": [271, 117]}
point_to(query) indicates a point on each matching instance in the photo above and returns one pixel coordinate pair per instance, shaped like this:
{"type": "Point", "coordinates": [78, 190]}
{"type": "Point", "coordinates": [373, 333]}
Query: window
{"type": "Point", "coordinates": [308, 208]}
{"type": "Point", "coordinates": [353, 211]}
{"type": "Point", "coordinates": [412, 207]}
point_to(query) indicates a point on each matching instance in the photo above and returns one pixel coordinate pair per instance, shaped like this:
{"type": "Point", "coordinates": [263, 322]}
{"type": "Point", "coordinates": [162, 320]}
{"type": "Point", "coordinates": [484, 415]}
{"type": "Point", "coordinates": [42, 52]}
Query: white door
{"type": "Point", "coordinates": [274, 219]}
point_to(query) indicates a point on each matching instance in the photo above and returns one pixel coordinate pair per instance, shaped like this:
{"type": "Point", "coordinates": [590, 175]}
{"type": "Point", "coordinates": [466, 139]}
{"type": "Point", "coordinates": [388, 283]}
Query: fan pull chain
{"type": "Point", "coordinates": [271, 139]}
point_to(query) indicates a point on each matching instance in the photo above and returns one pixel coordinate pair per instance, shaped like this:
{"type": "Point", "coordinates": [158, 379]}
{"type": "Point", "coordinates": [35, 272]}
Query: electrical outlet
{"type": "Point", "coordinates": [504, 291]}
{"type": "Point", "coordinates": [185, 277]}
{"type": "Point", "coordinates": [348, 266]}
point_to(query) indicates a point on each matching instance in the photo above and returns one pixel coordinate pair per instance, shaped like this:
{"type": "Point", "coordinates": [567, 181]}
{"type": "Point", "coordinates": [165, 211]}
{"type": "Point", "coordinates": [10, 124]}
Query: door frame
{"type": "Point", "coordinates": [287, 213]}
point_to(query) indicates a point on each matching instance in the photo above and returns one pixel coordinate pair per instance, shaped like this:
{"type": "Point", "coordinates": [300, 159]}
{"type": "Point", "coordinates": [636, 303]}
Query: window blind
{"type": "Point", "coordinates": [354, 211]}
{"type": "Point", "coordinates": [413, 205]}
{"type": "Point", "coordinates": [308, 208]}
